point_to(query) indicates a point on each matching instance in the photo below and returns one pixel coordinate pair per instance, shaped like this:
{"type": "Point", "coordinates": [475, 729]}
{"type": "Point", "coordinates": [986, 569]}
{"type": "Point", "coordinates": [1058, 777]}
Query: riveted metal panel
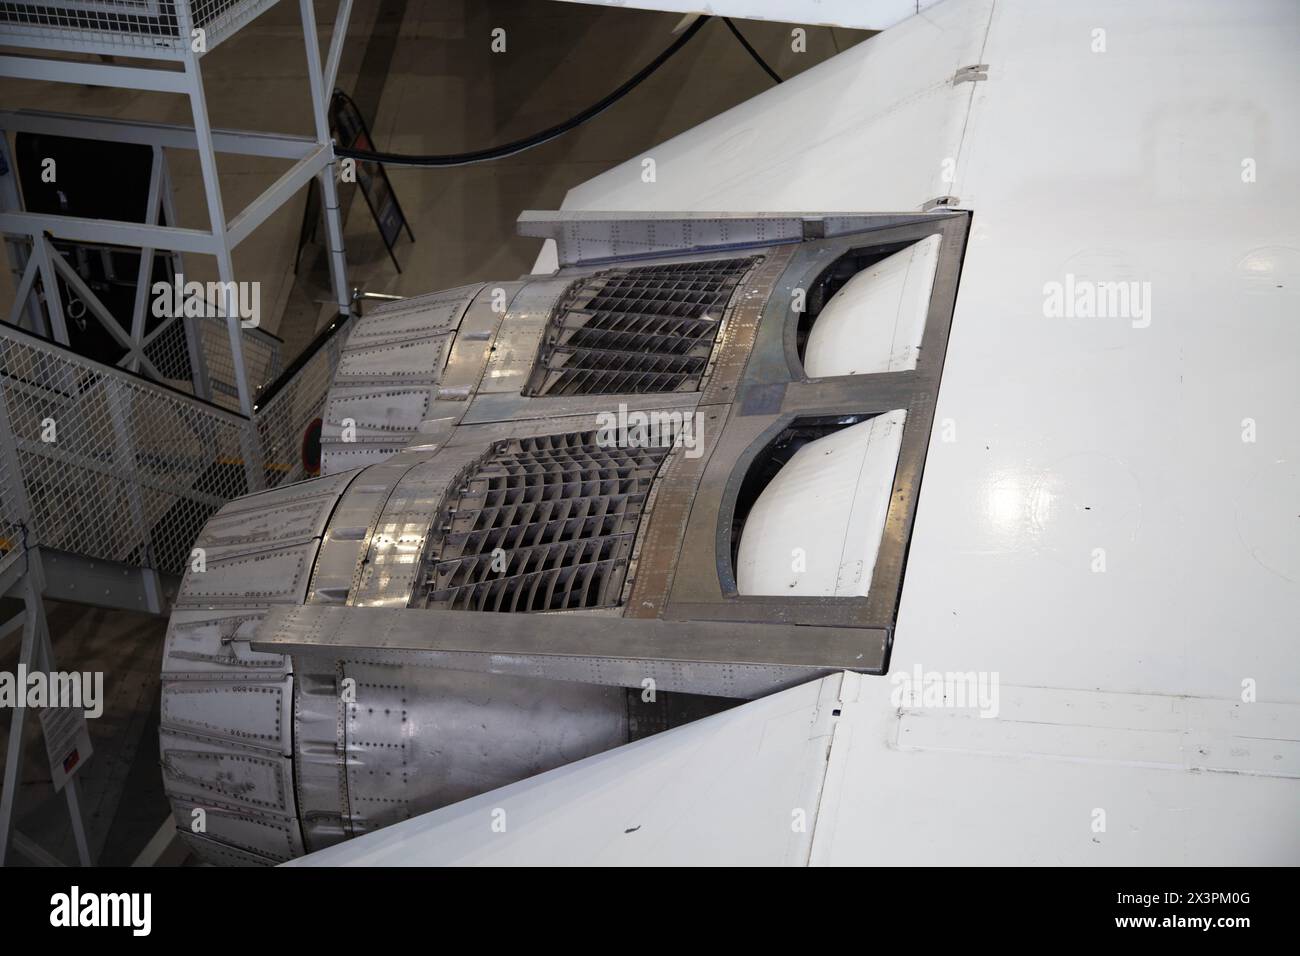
{"type": "Point", "coordinates": [324, 487]}
{"type": "Point", "coordinates": [259, 549]}
{"type": "Point", "coordinates": [215, 852]}
{"type": "Point", "coordinates": [213, 644]}
{"type": "Point", "coordinates": [418, 360]}
{"type": "Point", "coordinates": [347, 540]}
{"type": "Point", "coordinates": [481, 434]}
{"type": "Point", "coordinates": [388, 574]}
{"type": "Point", "coordinates": [340, 456]}
{"type": "Point", "coordinates": [226, 728]}
{"type": "Point", "coordinates": [516, 342]}
{"type": "Point", "coordinates": [414, 318]}
{"type": "Point", "coordinates": [708, 657]}
{"type": "Point", "coordinates": [278, 576]}
{"type": "Point", "coordinates": [230, 533]}
{"type": "Point", "coordinates": [319, 760]}
{"type": "Point", "coordinates": [265, 838]}
{"type": "Point", "coordinates": [379, 414]}
{"type": "Point", "coordinates": [217, 772]}
{"type": "Point", "coordinates": [586, 237]}
{"type": "Point", "coordinates": [388, 375]}
{"type": "Point", "coordinates": [476, 342]}
{"type": "Point", "coordinates": [257, 714]}
{"type": "Point", "coordinates": [419, 738]}
{"type": "Point", "coordinates": [508, 407]}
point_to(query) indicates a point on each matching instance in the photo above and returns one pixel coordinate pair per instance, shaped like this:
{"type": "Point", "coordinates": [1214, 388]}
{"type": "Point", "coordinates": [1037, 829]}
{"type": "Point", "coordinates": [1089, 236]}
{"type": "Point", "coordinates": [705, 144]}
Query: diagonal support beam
{"type": "Point", "coordinates": [49, 284]}
{"type": "Point", "coordinates": [88, 298]}
{"type": "Point", "coordinates": [24, 290]}
{"type": "Point", "coordinates": [140, 309]}
{"type": "Point", "coordinates": [294, 178]}
{"type": "Point", "coordinates": [336, 46]}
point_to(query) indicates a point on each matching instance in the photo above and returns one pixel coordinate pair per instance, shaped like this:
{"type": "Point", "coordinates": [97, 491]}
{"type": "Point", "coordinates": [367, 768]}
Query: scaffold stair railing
{"type": "Point", "coordinates": [105, 464]}
{"type": "Point", "coordinates": [183, 31]}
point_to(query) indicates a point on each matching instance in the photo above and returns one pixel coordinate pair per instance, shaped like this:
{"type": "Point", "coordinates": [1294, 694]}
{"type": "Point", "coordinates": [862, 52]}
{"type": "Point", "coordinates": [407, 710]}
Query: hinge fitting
{"type": "Point", "coordinates": [971, 74]}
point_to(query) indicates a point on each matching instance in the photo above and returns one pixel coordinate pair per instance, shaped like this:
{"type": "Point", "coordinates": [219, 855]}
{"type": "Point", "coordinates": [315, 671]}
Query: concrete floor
{"type": "Point", "coordinates": [122, 799]}
{"type": "Point", "coordinates": [446, 91]}
{"type": "Point", "coordinates": [424, 73]}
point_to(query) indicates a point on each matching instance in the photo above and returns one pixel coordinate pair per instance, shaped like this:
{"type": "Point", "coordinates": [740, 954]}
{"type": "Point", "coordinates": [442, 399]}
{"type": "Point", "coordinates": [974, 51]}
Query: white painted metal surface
{"type": "Point", "coordinates": [1107, 526]}
{"type": "Point", "coordinates": [858, 14]}
{"type": "Point", "coordinates": [876, 321]}
{"type": "Point", "coordinates": [865, 130]}
{"type": "Point", "coordinates": [840, 487]}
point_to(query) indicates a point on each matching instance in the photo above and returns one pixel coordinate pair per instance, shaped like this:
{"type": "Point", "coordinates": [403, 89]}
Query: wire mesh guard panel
{"type": "Point", "coordinates": [629, 331]}
{"type": "Point", "coordinates": [262, 361]}
{"type": "Point", "coordinates": [168, 351]}
{"type": "Point", "coordinates": [11, 531]}
{"type": "Point", "coordinates": [157, 24]}
{"type": "Point", "coordinates": [284, 422]}
{"type": "Point", "coordinates": [111, 468]}
{"type": "Point", "coordinates": [538, 524]}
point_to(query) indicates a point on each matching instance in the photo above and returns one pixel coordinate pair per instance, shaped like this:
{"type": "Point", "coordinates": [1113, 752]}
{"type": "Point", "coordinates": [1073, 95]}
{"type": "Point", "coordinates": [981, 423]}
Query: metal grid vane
{"type": "Point", "coordinates": [631, 331]}
{"type": "Point", "coordinates": [538, 524]}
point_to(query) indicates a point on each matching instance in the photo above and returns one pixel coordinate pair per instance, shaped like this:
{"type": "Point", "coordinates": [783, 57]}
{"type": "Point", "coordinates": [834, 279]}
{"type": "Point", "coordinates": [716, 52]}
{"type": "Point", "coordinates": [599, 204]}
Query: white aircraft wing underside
{"type": "Point", "coordinates": [1109, 524]}
{"type": "Point", "coordinates": [856, 14]}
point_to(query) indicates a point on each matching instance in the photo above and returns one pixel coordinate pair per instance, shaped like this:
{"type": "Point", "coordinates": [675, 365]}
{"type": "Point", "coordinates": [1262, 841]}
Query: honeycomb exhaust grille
{"type": "Point", "coordinates": [630, 331]}
{"type": "Point", "coordinates": [561, 509]}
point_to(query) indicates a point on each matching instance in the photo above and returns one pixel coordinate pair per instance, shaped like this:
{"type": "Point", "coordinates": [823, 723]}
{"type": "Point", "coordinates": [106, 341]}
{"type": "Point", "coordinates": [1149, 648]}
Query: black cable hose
{"type": "Point", "coordinates": [752, 52]}
{"type": "Point", "coordinates": [537, 139]}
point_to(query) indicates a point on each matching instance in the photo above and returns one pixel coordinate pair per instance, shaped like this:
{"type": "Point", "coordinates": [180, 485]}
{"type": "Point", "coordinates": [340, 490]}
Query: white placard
{"type": "Point", "coordinates": [67, 741]}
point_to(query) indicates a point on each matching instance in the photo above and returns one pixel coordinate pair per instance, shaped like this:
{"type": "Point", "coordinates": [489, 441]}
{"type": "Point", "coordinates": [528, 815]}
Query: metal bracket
{"type": "Point", "coordinates": [971, 74]}
{"type": "Point", "coordinates": [704, 657]}
{"type": "Point", "coordinates": [939, 202]}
